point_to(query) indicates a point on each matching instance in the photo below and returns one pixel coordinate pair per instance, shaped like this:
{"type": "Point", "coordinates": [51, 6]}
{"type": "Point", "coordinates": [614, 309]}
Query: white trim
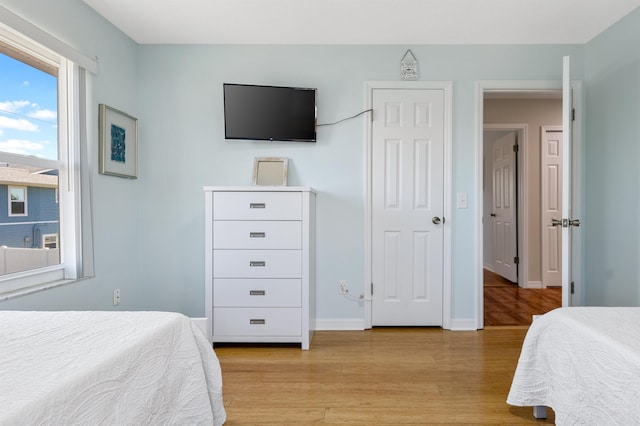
{"type": "Point", "coordinates": [21, 25]}
{"type": "Point", "coordinates": [468, 324]}
{"type": "Point", "coordinates": [523, 206]}
{"type": "Point", "coordinates": [339, 324]}
{"type": "Point", "coordinates": [534, 284]}
{"type": "Point", "coordinates": [447, 87]}
{"type": "Point", "coordinates": [201, 323]}
{"type": "Point", "coordinates": [44, 240]}
{"type": "Point", "coordinates": [28, 223]}
{"type": "Point", "coordinates": [25, 282]}
{"type": "Point", "coordinates": [577, 299]}
{"type": "Point", "coordinates": [25, 201]}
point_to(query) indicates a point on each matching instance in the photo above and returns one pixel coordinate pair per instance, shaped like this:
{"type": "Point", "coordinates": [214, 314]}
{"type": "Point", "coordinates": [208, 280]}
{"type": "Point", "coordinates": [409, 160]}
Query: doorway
{"type": "Point", "coordinates": [515, 119]}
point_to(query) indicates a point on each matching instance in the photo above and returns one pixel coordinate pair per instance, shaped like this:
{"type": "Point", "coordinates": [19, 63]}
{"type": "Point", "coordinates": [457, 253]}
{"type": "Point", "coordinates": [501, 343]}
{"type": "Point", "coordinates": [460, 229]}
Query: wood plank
{"type": "Point", "coordinates": [396, 376]}
{"type": "Point", "coordinates": [507, 304]}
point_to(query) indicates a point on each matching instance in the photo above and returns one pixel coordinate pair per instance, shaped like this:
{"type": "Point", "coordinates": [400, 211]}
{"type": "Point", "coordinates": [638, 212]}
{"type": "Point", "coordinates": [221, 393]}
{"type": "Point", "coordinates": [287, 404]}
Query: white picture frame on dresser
{"type": "Point", "coordinates": [270, 171]}
{"type": "Point", "coordinates": [260, 264]}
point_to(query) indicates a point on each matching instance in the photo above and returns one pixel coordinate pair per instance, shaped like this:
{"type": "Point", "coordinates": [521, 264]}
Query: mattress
{"type": "Point", "coordinates": [115, 368]}
{"type": "Point", "coordinates": [584, 362]}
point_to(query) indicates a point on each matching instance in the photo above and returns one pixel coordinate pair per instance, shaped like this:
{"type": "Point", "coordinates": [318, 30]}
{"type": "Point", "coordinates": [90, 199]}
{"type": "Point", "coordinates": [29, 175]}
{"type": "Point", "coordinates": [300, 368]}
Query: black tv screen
{"type": "Point", "coordinates": [269, 113]}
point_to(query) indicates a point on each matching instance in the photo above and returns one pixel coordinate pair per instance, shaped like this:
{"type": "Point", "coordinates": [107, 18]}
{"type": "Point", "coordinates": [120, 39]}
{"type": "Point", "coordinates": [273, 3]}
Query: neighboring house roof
{"type": "Point", "coordinates": [24, 176]}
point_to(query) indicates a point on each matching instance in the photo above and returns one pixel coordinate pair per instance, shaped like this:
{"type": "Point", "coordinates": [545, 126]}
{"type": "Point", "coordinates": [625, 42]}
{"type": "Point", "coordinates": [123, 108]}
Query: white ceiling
{"type": "Point", "coordinates": [404, 22]}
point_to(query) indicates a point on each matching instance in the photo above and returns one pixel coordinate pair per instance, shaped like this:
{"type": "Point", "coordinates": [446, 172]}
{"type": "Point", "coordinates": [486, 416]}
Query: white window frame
{"type": "Point", "coordinates": [44, 240]}
{"type": "Point", "coordinates": [76, 254]}
{"type": "Point", "coordinates": [25, 200]}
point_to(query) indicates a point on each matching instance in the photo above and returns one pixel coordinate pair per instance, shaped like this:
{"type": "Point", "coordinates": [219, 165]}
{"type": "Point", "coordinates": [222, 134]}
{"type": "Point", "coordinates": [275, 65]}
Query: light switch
{"type": "Point", "coordinates": [462, 200]}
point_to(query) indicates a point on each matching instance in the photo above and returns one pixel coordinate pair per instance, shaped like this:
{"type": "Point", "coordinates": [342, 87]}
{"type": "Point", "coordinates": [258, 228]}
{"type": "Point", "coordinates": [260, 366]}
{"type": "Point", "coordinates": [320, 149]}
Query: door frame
{"type": "Point", "coordinates": [577, 174]}
{"type": "Point", "coordinates": [523, 206]}
{"type": "Point", "coordinates": [447, 87]}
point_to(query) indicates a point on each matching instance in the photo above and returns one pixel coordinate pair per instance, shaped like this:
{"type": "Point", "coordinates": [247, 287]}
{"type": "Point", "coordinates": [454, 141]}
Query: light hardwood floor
{"type": "Point", "coordinates": [384, 376]}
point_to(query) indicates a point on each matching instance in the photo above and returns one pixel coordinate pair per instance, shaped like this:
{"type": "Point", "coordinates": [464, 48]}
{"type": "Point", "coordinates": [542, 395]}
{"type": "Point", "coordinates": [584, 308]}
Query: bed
{"type": "Point", "coordinates": [584, 362]}
{"type": "Point", "coordinates": [107, 368]}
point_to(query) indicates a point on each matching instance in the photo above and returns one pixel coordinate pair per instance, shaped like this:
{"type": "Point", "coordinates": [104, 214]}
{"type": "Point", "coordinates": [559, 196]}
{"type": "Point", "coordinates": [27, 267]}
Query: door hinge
{"type": "Point", "coordinates": [372, 289]}
{"type": "Point", "coordinates": [573, 114]}
{"type": "Point", "coordinates": [573, 287]}
{"type": "Point", "coordinates": [516, 260]}
{"type": "Point", "coordinates": [515, 148]}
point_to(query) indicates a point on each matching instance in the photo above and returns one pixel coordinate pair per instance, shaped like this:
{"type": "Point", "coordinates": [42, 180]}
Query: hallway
{"type": "Point", "coordinates": [507, 304]}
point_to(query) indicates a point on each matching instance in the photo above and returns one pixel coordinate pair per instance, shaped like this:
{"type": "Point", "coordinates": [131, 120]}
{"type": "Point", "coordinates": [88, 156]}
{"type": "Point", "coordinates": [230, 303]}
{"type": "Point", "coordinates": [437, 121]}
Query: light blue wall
{"type": "Point", "coordinates": [612, 165]}
{"type": "Point", "coordinates": [115, 201]}
{"type": "Point", "coordinates": [183, 149]}
{"type": "Point", "coordinates": [149, 233]}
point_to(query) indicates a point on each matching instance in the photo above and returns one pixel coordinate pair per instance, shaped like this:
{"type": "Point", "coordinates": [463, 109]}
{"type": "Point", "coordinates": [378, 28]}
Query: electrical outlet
{"type": "Point", "coordinates": [116, 297]}
{"type": "Point", "coordinates": [342, 287]}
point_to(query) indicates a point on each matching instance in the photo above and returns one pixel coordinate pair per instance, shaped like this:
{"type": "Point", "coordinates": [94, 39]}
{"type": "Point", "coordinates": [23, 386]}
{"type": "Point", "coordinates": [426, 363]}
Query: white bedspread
{"type": "Point", "coordinates": [584, 362]}
{"type": "Point", "coordinates": [107, 368]}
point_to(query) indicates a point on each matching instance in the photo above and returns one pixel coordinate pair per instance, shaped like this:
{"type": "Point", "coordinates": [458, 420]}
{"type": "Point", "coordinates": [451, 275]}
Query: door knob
{"type": "Point", "coordinates": [435, 220]}
{"type": "Point", "coordinates": [556, 222]}
{"type": "Point", "coordinates": [574, 222]}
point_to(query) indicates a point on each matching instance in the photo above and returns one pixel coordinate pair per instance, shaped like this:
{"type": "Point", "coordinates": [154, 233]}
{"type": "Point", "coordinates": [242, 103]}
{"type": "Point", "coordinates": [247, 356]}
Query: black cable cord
{"type": "Point", "coordinates": [348, 118]}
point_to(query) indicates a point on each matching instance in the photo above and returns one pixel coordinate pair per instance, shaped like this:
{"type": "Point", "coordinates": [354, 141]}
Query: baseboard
{"type": "Point", "coordinates": [358, 324]}
{"type": "Point", "coordinates": [201, 323]}
{"type": "Point", "coordinates": [534, 284]}
{"type": "Point", "coordinates": [339, 324]}
{"type": "Point", "coordinates": [463, 324]}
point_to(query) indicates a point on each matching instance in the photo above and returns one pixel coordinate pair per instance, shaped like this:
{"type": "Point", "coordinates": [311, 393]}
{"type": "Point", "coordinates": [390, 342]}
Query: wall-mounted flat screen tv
{"type": "Point", "coordinates": [271, 113]}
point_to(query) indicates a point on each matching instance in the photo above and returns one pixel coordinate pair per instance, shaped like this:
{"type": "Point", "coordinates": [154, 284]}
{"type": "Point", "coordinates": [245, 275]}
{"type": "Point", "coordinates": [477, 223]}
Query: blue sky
{"type": "Point", "coordinates": [28, 110]}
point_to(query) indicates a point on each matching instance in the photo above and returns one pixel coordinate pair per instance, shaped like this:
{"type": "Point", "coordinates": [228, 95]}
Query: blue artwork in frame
{"type": "Point", "coordinates": [118, 135]}
{"type": "Point", "coordinates": [118, 143]}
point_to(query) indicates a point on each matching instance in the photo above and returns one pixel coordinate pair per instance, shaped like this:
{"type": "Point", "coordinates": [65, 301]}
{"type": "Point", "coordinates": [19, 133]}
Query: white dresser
{"type": "Point", "coordinates": [260, 264]}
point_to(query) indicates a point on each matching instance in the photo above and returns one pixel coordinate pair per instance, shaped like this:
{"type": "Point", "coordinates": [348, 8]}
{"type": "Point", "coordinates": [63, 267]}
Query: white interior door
{"type": "Point", "coordinates": [551, 176]}
{"type": "Point", "coordinates": [504, 215]}
{"type": "Point", "coordinates": [407, 206]}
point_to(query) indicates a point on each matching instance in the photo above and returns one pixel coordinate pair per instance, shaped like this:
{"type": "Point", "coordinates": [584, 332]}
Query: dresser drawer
{"type": "Point", "coordinates": [257, 322]}
{"type": "Point", "coordinates": [257, 234]}
{"type": "Point", "coordinates": [257, 206]}
{"type": "Point", "coordinates": [235, 292]}
{"type": "Point", "coordinates": [257, 263]}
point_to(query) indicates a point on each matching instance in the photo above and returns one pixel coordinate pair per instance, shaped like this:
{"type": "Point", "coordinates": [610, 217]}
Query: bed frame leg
{"type": "Point", "coordinates": [540, 412]}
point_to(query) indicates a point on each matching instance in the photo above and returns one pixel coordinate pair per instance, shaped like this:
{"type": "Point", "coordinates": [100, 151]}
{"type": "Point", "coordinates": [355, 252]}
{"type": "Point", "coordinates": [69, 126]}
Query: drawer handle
{"type": "Point", "coordinates": [257, 292]}
{"type": "Point", "coordinates": [257, 205]}
{"type": "Point", "coordinates": [257, 322]}
{"type": "Point", "coordinates": [257, 263]}
{"type": "Point", "coordinates": [257, 235]}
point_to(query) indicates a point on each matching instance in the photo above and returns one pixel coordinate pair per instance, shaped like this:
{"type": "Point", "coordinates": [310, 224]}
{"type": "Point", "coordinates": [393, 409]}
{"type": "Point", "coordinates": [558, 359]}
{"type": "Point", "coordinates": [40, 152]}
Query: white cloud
{"type": "Point", "coordinates": [14, 106]}
{"type": "Point", "coordinates": [17, 124]}
{"type": "Point", "coordinates": [29, 109]}
{"type": "Point", "coordinates": [24, 147]}
{"type": "Point", "coordinates": [44, 114]}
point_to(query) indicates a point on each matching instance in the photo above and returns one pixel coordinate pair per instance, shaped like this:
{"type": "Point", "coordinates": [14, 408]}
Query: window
{"type": "Point", "coordinates": [17, 201]}
{"type": "Point", "coordinates": [50, 241]}
{"type": "Point", "coordinates": [45, 234]}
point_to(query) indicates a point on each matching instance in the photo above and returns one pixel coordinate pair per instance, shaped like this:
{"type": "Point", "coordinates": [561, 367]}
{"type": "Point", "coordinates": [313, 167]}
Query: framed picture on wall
{"type": "Point", "coordinates": [118, 137]}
